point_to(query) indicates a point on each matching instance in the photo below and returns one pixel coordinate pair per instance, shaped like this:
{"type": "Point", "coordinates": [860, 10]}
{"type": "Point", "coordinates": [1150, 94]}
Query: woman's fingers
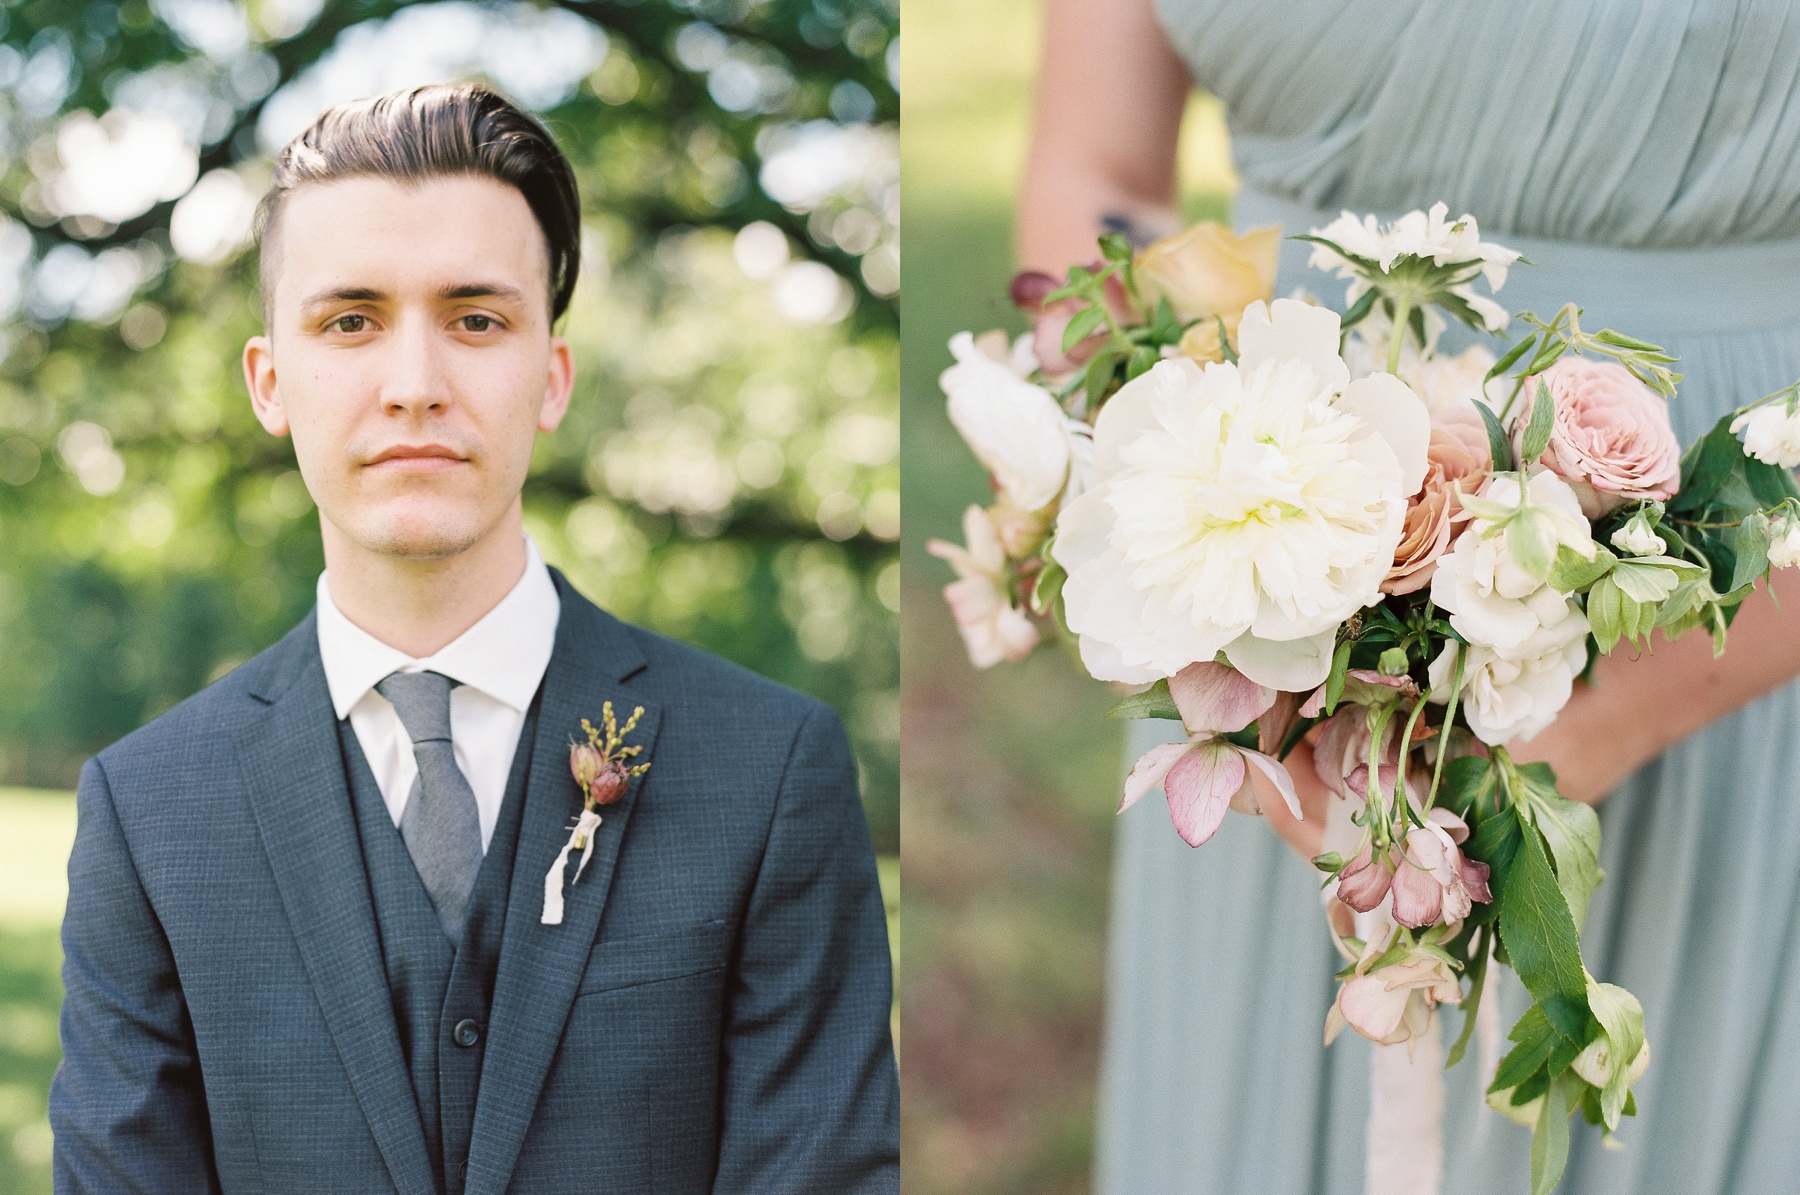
{"type": "Point", "coordinates": [1307, 834]}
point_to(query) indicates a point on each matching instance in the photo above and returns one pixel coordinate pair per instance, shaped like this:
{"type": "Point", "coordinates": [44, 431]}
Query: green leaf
{"type": "Point", "coordinates": [1536, 1042]}
{"type": "Point", "coordinates": [1548, 356]}
{"type": "Point", "coordinates": [1141, 360]}
{"type": "Point", "coordinates": [1706, 465]}
{"type": "Point", "coordinates": [1550, 1141]}
{"type": "Point", "coordinates": [1154, 702]}
{"type": "Point", "coordinates": [1358, 310]}
{"type": "Point", "coordinates": [1540, 935]}
{"type": "Point", "coordinates": [1537, 431]}
{"type": "Point", "coordinates": [1605, 613]}
{"type": "Point", "coordinates": [1468, 779]}
{"type": "Point", "coordinates": [1049, 585]}
{"type": "Point", "coordinates": [1340, 671]}
{"type": "Point", "coordinates": [1508, 358]}
{"type": "Point", "coordinates": [1622, 341]}
{"type": "Point", "coordinates": [1574, 573]}
{"type": "Point", "coordinates": [1498, 442]}
{"type": "Point", "coordinates": [1100, 375]}
{"type": "Point", "coordinates": [1115, 247]}
{"type": "Point", "coordinates": [1771, 484]}
{"type": "Point", "coordinates": [1752, 547]}
{"type": "Point", "coordinates": [1081, 325]}
{"type": "Point", "coordinates": [1572, 832]}
{"type": "Point", "coordinates": [1471, 1005]}
{"type": "Point", "coordinates": [1225, 350]}
{"type": "Point", "coordinates": [1642, 581]}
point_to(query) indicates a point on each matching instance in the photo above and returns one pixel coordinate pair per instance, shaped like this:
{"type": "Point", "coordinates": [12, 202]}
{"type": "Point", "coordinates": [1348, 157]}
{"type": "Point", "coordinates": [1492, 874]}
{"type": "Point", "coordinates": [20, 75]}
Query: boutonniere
{"type": "Point", "coordinates": [601, 769]}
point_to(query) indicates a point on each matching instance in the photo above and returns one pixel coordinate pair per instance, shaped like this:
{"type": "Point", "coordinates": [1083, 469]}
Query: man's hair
{"type": "Point", "coordinates": [440, 130]}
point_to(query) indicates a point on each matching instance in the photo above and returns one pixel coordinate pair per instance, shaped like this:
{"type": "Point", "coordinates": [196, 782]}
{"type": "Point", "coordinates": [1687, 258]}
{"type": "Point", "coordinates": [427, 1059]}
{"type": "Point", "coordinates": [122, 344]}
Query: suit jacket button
{"type": "Point", "coordinates": [466, 1033]}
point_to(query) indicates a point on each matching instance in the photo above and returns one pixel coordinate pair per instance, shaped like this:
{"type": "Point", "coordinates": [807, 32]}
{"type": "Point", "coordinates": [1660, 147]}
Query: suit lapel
{"type": "Point", "coordinates": [540, 965]}
{"type": "Point", "coordinates": [293, 771]}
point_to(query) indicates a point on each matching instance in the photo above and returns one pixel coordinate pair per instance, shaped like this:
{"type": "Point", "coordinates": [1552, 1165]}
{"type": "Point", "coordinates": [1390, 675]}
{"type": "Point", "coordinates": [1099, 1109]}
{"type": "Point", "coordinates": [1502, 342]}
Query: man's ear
{"type": "Point", "coordinates": [265, 395]}
{"type": "Point", "coordinates": [560, 385]}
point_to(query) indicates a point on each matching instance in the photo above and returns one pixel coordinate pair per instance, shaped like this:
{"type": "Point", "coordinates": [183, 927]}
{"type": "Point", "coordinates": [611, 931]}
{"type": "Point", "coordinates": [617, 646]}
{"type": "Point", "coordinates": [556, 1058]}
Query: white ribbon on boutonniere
{"type": "Point", "coordinates": [599, 767]}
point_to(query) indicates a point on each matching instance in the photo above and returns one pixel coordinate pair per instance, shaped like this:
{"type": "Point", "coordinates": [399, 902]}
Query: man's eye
{"type": "Point", "coordinates": [484, 322]}
{"type": "Point", "coordinates": [341, 320]}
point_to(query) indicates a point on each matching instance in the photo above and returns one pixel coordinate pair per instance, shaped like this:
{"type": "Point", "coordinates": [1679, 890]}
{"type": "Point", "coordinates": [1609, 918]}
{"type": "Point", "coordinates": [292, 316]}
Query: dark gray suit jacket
{"type": "Point", "coordinates": [712, 1015]}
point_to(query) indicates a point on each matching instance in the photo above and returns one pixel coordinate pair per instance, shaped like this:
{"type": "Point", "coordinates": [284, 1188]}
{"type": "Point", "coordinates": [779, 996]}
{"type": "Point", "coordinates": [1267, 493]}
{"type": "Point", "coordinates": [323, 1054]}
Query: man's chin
{"type": "Point", "coordinates": [410, 539]}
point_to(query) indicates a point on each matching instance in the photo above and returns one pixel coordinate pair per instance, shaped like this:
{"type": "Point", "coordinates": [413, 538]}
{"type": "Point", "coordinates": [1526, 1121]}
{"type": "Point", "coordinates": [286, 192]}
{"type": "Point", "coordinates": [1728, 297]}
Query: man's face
{"type": "Point", "coordinates": [409, 354]}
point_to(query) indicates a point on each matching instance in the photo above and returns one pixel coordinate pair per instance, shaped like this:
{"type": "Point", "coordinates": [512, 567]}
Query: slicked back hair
{"type": "Point", "coordinates": [437, 131]}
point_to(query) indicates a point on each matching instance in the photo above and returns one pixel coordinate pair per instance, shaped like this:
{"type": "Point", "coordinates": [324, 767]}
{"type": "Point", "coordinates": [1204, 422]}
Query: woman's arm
{"type": "Point", "coordinates": [1638, 708]}
{"type": "Point", "coordinates": [1635, 709]}
{"type": "Point", "coordinates": [1110, 94]}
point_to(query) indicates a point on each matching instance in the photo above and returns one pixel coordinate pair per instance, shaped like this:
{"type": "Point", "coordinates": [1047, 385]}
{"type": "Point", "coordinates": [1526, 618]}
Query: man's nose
{"type": "Point", "coordinates": [418, 379]}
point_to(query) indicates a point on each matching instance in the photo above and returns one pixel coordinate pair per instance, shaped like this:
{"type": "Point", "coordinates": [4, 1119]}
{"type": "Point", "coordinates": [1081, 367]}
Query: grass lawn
{"type": "Point", "coordinates": [36, 830]}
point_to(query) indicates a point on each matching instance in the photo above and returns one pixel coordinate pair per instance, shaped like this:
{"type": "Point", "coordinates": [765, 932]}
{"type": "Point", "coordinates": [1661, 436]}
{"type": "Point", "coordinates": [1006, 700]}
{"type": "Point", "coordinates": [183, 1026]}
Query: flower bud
{"type": "Point", "coordinates": [610, 784]}
{"type": "Point", "coordinates": [585, 762]}
{"type": "Point", "coordinates": [1636, 538]}
{"type": "Point", "coordinates": [1365, 880]}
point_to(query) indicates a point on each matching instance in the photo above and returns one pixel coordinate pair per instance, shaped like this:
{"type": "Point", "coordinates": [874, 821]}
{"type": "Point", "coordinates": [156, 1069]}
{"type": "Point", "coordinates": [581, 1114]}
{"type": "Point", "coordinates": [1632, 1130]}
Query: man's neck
{"type": "Point", "coordinates": [417, 606]}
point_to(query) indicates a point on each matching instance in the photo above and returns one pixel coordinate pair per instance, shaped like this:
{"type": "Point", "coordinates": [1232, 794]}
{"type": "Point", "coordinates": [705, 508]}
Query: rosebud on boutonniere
{"type": "Point", "coordinates": [602, 773]}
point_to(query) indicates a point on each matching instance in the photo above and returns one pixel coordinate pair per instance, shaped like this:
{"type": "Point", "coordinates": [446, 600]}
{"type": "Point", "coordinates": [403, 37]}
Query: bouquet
{"type": "Point", "coordinates": [1277, 523]}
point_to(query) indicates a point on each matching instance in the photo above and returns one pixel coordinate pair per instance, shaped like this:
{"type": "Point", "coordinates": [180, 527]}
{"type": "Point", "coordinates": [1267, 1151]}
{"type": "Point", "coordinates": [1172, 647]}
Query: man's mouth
{"type": "Point", "coordinates": [416, 458]}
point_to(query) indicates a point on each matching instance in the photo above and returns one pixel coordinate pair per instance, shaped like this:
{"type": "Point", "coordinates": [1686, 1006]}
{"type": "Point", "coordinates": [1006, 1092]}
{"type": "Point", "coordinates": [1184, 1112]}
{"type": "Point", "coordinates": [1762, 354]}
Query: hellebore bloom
{"type": "Point", "coordinates": [1206, 775]}
{"type": "Point", "coordinates": [1435, 882]}
{"type": "Point", "coordinates": [1393, 1004]}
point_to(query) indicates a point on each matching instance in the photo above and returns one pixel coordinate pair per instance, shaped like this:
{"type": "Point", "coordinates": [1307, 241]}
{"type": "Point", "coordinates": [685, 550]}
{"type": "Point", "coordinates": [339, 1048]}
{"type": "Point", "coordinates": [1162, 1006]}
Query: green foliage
{"type": "Point", "coordinates": [1154, 702]}
{"type": "Point", "coordinates": [727, 474]}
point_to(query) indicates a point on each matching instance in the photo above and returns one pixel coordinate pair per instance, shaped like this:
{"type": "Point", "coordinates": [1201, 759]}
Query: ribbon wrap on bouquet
{"type": "Point", "coordinates": [581, 836]}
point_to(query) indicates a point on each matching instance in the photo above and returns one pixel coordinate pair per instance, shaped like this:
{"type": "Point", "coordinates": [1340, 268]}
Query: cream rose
{"type": "Point", "coordinates": [1611, 440]}
{"type": "Point", "coordinates": [1210, 270]}
{"type": "Point", "coordinates": [1457, 455]}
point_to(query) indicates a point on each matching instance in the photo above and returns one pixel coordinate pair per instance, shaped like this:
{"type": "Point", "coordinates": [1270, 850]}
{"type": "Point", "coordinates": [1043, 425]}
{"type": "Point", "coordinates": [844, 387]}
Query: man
{"type": "Point", "coordinates": [323, 933]}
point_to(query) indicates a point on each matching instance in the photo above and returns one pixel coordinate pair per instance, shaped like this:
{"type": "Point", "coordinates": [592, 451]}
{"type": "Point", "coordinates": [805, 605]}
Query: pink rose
{"type": "Point", "coordinates": [1611, 440]}
{"type": "Point", "coordinates": [1457, 453]}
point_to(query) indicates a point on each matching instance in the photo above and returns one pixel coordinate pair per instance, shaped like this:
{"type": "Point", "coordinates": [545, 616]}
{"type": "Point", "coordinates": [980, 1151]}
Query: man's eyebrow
{"type": "Point", "coordinates": [343, 294]}
{"type": "Point", "coordinates": [481, 290]}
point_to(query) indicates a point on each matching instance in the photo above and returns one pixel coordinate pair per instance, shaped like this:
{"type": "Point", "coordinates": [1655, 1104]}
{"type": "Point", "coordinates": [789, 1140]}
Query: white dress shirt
{"type": "Point", "coordinates": [499, 661]}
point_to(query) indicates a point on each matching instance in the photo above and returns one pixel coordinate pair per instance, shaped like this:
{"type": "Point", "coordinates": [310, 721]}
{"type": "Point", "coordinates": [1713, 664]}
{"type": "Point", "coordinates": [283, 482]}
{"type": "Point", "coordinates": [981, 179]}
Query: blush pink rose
{"type": "Point", "coordinates": [1457, 453]}
{"type": "Point", "coordinates": [1611, 440]}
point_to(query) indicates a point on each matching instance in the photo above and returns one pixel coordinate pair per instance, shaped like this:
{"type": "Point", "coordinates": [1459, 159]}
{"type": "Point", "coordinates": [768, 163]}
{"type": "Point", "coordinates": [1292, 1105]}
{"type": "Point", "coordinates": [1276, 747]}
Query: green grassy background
{"type": "Point", "coordinates": [39, 828]}
{"type": "Point", "coordinates": [1008, 777]}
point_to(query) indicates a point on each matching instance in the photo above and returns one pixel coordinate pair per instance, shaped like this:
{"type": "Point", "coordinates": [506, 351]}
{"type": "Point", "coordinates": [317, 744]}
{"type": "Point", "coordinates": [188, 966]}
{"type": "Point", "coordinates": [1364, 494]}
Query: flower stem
{"type": "Point", "coordinates": [1402, 313]}
{"type": "Point", "coordinates": [1456, 686]}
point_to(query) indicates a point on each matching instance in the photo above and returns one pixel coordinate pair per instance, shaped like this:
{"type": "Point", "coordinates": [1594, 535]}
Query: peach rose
{"type": "Point", "coordinates": [1457, 452]}
{"type": "Point", "coordinates": [1611, 440]}
{"type": "Point", "coordinates": [1210, 270]}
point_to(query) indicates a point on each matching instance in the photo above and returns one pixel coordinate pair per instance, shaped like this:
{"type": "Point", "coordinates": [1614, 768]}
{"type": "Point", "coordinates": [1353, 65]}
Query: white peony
{"type": "Point", "coordinates": [1015, 428]}
{"type": "Point", "coordinates": [1247, 508]}
{"type": "Point", "coordinates": [1493, 602]}
{"type": "Point", "coordinates": [1771, 435]}
{"type": "Point", "coordinates": [1513, 694]}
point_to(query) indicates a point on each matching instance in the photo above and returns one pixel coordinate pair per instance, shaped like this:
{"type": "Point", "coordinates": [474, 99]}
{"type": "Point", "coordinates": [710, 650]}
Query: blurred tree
{"type": "Point", "coordinates": [728, 475]}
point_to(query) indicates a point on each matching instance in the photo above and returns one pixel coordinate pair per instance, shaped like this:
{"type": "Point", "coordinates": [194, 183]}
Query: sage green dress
{"type": "Point", "coordinates": [1646, 155]}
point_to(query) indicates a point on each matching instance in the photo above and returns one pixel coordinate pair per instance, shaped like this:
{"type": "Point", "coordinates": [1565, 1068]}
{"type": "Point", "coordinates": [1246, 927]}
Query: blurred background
{"type": "Point", "coordinates": [729, 471]}
{"type": "Point", "coordinates": [1009, 777]}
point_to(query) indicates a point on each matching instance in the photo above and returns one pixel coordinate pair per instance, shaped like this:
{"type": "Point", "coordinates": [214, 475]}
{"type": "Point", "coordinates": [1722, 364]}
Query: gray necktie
{"type": "Point", "coordinates": [440, 823]}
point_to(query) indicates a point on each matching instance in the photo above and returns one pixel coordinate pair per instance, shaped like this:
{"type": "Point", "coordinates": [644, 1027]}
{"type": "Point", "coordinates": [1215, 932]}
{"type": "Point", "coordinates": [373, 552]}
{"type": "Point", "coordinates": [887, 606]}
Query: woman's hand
{"type": "Point", "coordinates": [1307, 834]}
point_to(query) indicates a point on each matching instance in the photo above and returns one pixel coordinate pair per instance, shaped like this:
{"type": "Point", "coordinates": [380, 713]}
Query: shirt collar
{"type": "Point", "coordinates": [504, 654]}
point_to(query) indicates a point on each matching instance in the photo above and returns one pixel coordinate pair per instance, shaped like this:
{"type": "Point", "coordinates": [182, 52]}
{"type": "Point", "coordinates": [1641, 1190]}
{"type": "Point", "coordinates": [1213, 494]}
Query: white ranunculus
{"type": "Point", "coordinates": [1493, 602]}
{"type": "Point", "coordinates": [1771, 435]}
{"type": "Point", "coordinates": [1015, 428]}
{"type": "Point", "coordinates": [1246, 508]}
{"type": "Point", "coordinates": [1512, 695]}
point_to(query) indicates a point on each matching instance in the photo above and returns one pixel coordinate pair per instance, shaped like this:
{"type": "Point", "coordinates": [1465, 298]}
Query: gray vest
{"type": "Point", "coordinates": [440, 996]}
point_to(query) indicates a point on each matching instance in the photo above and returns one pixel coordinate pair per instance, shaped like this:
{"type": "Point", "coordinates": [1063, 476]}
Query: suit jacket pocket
{"type": "Point", "coordinates": [651, 958]}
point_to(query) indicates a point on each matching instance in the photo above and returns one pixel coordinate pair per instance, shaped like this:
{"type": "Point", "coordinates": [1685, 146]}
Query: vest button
{"type": "Point", "coordinates": [466, 1033]}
